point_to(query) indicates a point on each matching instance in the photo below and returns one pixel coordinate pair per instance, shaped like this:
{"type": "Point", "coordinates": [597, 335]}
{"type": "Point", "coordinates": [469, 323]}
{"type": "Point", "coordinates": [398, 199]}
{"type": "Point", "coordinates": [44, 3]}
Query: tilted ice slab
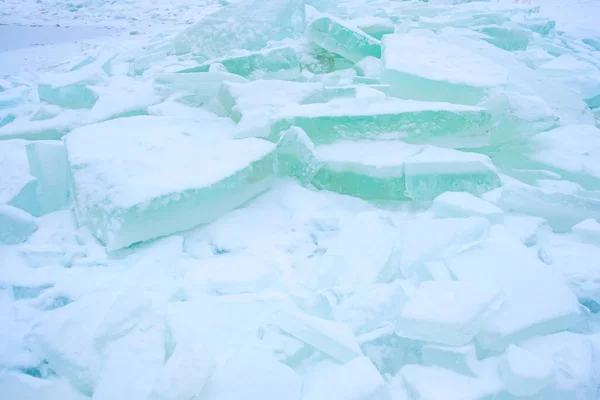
{"type": "Point", "coordinates": [341, 38]}
{"type": "Point", "coordinates": [18, 187]}
{"type": "Point", "coordinates": [246, 25]}
{"type": "Point", "coordinates": [447, 312]}
{"type": "Point", "coordinates": [445, 124]}
{"type": "Point", "coordinates": [426, 68]}
{"type": "Point", "coordinates": [143, 177]}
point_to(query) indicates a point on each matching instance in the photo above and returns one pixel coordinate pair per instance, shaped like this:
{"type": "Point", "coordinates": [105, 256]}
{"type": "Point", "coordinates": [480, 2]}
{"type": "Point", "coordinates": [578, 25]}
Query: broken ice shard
{"type": "Point", "coordinates": [17, 187]}
{"type": "Point", "coordinates": [272, 63]}
{"type": "Point", "coordinates": [462, 204]}
{"type": "Point", "coordinates": [246, 25]}
{"type": "Point", "coordinates": [437, 170]}
{"type": "Point", "coordinates": [70, 90]}
{"type": "Point", "coordinates": [443, 124]}
{"type": "Point", "coordinates": [447, 312]}
{"type": "Point", "coordinates": [296, 156]}
{"type": "Point", "coordinates": [510, 38]}
{"type": "Point", "coordinates": [15, 225]}
{"type": "Point", "coordinates": [132, 179]}
{"type": "Point", "coordinates": [441, 72]}
{"type": "Point", "coordinates": [195, 88]}
{"type": "Point", "coordinates": [341, 38]}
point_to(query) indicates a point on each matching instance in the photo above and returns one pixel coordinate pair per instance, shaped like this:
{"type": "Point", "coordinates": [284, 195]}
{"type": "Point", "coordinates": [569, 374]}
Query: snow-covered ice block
{"type": "Point", "coordinates": [246, 25]}
{"type": "Point", "coordinates": [272, 63]}
{"type": "Point", "coordinates": [546, 306]}
{"type": "Point", "coordinates": [356, 380]}
{"type": "Point", "coordinates": [374, 26]}
{"type": "Point", "coordinates": [447, 312]}
{"type": "Point", "coordinates": [17, 385]}
{"type": "Point", "coordinates": [525, 373]}
{"type": "Point", "coordinates": [17, 187]}
{"type": "Point", "coordinates": [52, 128]}
{"type": "Point", "coordinates": [197, 87]}
{"type": "Point", "coordinates": [341, 38]}
{"type": "Point", "coordinates": [573, 151]}
{"type": "Point", "coordinates": [526, 229]}
{"type": "Point", "coordinates": [534, 57]}
{"type": "Point", "coordinates": [252, 373]}
{"type": "Point", "coordinates": [507, 37]}
{"type": "Point", "coordinates": [239, 99]}
{"type": "Point", "coordinates": [561, 210]}
{"type": "Point", "coordinates": [334, 339]}
{"type": "Point", "coordinates": [588, 231]}
{"type": "Point", "coordinates": [185, 373]}
{"type": "Point", "coordinates": [461, 359]}
{"type": "Point", "coordinates": [461, 204]}
{"type": "Point", "coordinates": [296, 156]}
{"type": "Point", "coordinates": [369, 67]}
{"type": "Point", "coordinates": [158, 195]}
{"type": "Point", "coordinates": [48, 163]}
{"type": "Point", "coordinates": [444, 237]}
{"type": "Point", "coordinates": [435, 170]}
{"type": "Point", "coordinates": [15, 225]}
{"type": "Point", "coordinates": [70, 90]}
{"type": "Point", "coordinates": [434, 383]}
{"type": "Point", "coordinates": [365, 169]}
{"type": "Point", "coordinates": [441, 72]}
{"type": "Point", "coordinates": [446, 124]}
{"type": "Point", "coordinates": [518, 116]}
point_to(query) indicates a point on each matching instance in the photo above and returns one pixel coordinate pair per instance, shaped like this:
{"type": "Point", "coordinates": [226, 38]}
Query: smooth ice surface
{"type": "Point", "coordinates": [447, 312]}
{"type": "Point", "coordinates": [15, 225]}
{"type": "Point", "coordinates": [461, 204]}
{"type": "Point", "coordinates": [119, 212]}
{"type": "Point", "coordinates": [356, 380]}
{"type": "Point", "coordinates": [441, 72]}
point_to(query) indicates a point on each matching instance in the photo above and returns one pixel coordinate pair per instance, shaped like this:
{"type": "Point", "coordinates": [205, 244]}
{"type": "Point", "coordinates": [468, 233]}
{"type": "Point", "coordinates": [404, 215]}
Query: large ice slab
{"type": "Point", "coordinates": [436, 170]}
{"type": "Point", "coordinates": [447, 312]}
{"type": "Point", "coordinates": [341, 38]}
{"type": "Point", "coordinates": [356, 380]}
{"type": "Point", "coordinates": [133, 182]}
{"type": "Point", "coordinates": [17, 187]}
{"type": "Point", "coordinates": [365, 169]}
{"type": "Point", "coordinates": [256, 23]}
{"type": "Point", "coordinates": [445, 124]}
{"type": "Point", "coordinates": [441, 72]}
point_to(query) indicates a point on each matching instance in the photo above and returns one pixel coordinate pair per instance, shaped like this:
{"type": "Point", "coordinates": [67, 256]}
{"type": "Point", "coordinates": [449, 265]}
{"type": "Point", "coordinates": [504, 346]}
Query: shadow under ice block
{"type": "Point", "coordinates": [143, 177]}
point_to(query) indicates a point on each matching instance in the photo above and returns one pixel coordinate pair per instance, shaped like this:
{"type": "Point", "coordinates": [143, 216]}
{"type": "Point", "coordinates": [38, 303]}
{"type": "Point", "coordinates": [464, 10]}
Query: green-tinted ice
{"type": "Point", "coordinates": [445, 124]}
{"type": "Point", "coordinates": [507, 38]}
{"type": "Point", "coordinates": [337, 37]}
{"type": "Point", "coordinates": [295, 156]}
{"type": "Point", "coordinates": [278, 62]}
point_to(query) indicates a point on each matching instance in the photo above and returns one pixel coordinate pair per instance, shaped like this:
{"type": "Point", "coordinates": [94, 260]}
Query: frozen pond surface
{"type": "Point", "coordinates": [14, 37]}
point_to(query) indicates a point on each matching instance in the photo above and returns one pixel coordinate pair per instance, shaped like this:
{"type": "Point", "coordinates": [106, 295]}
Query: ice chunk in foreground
{"type": "Point", "coordinates": [445, 124]}
{"type": "Point", "coordinates": [447, 312]}
{"type": "Point", "coordinates": [338, 37]}
{"type": "Point", "coordinates": [273, 63]}
{"type": "Point", "coordinates": [15, 225]}
{"type": "Point", "coordinates": [433, 383]}
{"type": "Point", "coordinates": [573, 151]}
{"type": "Point", "coordinates": [436, 170]}
{"type": "Point", "coordinates": [524, 373]}
{"type": "Point", "coordinates": [335, 340]}
{"type": "Point", "coordinates": [588, 231]}
{"type": "Point", "coordinates": [157, 195]}
{"type": "Point", "coordinates": [461, 204]}
{"type": "Point", "coordinates": [252, 373]}
{"type": "Point", "coordinates": [70, 90]}
{"type": "Point", "coordinates": [365, 169]}
{"type": "Point", "coordinates": [441, 72]}
{"type": "Point", "coordinates": [246, 25]}
{"type": "Point", "coordinates": [48, 163]}
{"type": "Point", "coordinates": [17, 187]}
{"type": "Point", "coordinates": [529, 309]}
{"type": "Point", "coordinates": [356, 380]}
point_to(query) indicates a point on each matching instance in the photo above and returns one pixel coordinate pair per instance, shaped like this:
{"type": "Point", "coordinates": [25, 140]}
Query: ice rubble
{"type": "Point", "coordinates": [307, 200]}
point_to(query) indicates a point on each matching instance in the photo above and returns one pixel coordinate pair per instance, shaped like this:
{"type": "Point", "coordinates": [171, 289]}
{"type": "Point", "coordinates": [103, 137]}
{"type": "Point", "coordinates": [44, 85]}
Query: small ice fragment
{"type": "Point", "coordinates": [48, 163]}
{"type": "Point", "coordinates": [333, 339]}
{"type": "Point", "coordinates": [375, 26]}
{"type": "Point", "coordinates": [197, 87]}
{"type": "Point", "coordinates": [442, 72]}
{"type": "Point", "coordinates": [588, 231]}
{"type": "Point", "coordinates": [70, 90]}
{"type": "Point", "coordinates": [461, 204]}
{"type": "Point", "coordinates": [252, 373]}
{"type": "Point", "coordinates": [17, 187]}
{"type": "Point", "coordinates": [356, 380]}
{"type": "Point", "coordinates": [342, 38]}
{"type": "Point", "coordinates": [507, 37]}
{"type": "Point", "coordinates": [369, 66]}
{"type": "Point", "coordinates": [15, 225]}
{"type": "Point", "coordinates": [447, 312]}
{"type": "Point", "coordinates": [524, 373]}
{"type": "Point", "coordinates": [296, 156]}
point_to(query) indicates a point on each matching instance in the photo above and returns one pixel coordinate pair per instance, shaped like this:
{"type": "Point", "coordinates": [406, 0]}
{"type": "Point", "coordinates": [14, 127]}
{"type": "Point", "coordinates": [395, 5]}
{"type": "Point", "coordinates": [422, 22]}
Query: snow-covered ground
{"type": "Point", "coordinates": [427, 229]}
